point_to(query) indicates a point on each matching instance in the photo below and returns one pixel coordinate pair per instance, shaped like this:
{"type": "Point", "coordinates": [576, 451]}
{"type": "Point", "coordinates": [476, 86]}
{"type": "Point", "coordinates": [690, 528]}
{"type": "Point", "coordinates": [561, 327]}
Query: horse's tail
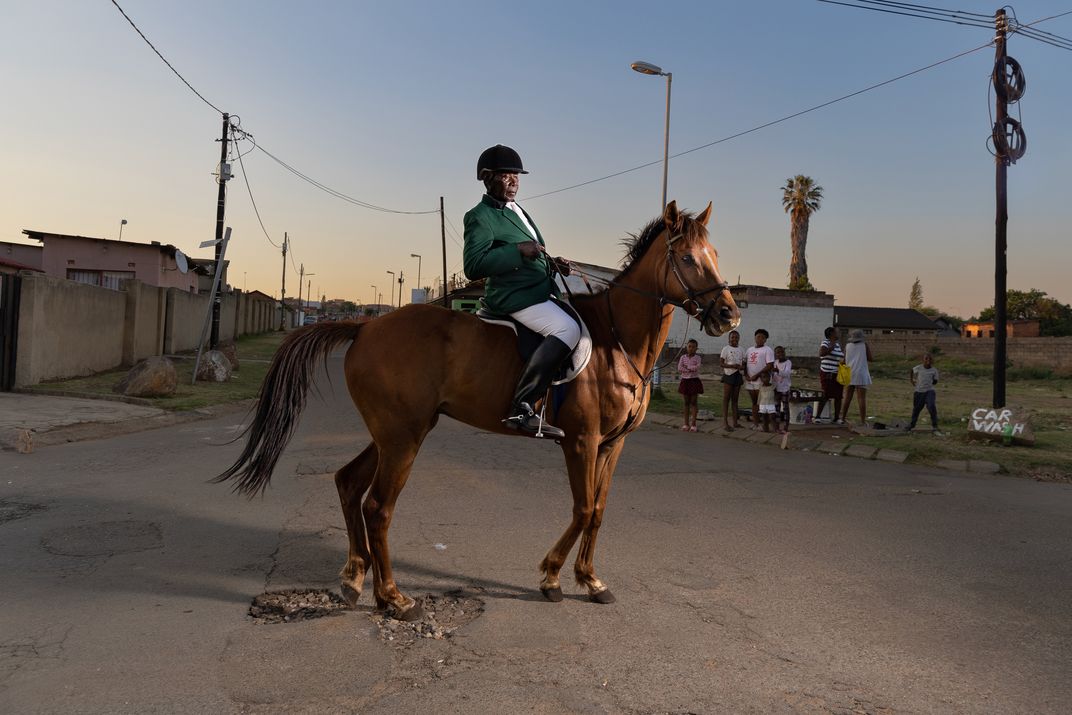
{"type": "Point", "coordinates": [281, 400]}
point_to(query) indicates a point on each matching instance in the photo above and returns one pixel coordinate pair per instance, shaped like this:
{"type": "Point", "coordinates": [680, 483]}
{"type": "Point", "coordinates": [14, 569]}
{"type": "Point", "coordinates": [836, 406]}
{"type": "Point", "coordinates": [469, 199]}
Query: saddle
{"type": "Point", "coordinates": [528, 340]}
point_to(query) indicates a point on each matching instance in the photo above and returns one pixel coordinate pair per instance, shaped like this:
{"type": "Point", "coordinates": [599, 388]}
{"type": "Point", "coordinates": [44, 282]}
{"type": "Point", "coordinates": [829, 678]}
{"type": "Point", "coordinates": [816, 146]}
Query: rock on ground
{"type": "Point", "coordinates": [215, 367]}
{"type": "Point", "coordinates": [152, 377]}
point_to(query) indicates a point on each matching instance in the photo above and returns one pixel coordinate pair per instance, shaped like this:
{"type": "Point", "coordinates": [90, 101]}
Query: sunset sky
{"type": "Point", "coordinates": [391, 103]}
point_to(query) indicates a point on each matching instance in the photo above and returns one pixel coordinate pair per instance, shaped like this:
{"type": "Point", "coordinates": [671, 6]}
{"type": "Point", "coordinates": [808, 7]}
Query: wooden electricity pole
{"type": "Point", "coordinates": [283, 290]}
{"type": "Point", "coordinates": [1001, 215]}
{"type": "Point", "coordinates": [443, 236]}
{"type": "Point", "coordinates": [223, 176]}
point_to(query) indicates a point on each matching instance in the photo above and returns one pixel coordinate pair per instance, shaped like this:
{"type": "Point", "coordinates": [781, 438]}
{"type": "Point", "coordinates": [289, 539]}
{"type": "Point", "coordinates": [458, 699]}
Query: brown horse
{"type": "Point", "coordinates": [469, 373]}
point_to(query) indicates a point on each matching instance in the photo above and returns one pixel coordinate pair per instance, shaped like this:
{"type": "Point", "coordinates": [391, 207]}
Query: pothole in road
{"type": "Point", "coordinates": [442, 616]}
{"type": "Point", "coordinates": [295, 605]}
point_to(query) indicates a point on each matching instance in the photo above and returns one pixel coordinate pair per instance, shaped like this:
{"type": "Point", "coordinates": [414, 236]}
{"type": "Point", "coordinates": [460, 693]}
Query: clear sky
{"type": "Point", "coordinates": [392, 102]}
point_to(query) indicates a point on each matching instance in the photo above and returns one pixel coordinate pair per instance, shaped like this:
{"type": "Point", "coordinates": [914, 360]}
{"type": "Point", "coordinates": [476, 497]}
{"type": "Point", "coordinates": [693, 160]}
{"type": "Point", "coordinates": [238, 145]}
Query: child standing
{"type": "Point", "coordinates": [732, 360]}
{"type": "Point", "coordinates": [783, 380]}
{"type": "Point", "coordinates": [767, 402]}
{"type": "Point", "coordinates": [759, 361]}
{"type": "Point", "coordinates": [690, 387]}
{"type": "Point", "coordinates": [924, 377]}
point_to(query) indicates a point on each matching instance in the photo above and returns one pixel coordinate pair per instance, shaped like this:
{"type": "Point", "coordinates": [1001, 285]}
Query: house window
{"type": "Point", "coordinates": [991, 333]}
{"type": "Point", "coordinates": [104, 279]}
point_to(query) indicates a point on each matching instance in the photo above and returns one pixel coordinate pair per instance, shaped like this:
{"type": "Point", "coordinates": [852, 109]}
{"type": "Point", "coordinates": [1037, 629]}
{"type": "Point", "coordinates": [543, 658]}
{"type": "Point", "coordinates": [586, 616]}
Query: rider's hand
{"type": "Point", "coordinates": [530, 250]}
{"type": "Point", "coordinates": [563, 266]}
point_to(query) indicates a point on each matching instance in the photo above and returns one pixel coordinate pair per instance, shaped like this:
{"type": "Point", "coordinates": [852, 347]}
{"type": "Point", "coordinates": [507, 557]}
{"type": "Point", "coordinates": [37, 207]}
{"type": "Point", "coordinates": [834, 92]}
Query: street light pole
{"type": "Point", "coordinates": [648, 68]}
{"type": "Point", "coordinates": [392, 274]}
{"type": "Point", "coordinates": [418, 257]}
{"type": "Point", "coordinates": [122, 223]}
{"type": "Point", "coordinates": [373, 294]}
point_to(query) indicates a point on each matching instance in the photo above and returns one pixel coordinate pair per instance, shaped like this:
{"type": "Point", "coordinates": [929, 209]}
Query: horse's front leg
{"type": "Point", "coordinates": [583, 569]}
{"type": "Point", "coordinates": [581, 454]}
{"type": "Point", "coordinates": [353, 481]}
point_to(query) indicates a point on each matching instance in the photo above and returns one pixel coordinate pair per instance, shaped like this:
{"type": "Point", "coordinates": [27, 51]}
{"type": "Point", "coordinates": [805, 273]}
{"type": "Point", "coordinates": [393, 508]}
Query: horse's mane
{"type": "Point", "coordinates": [637, 244]}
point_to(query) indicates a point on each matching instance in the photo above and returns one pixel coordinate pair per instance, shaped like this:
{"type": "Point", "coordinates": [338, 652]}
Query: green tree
{"type": "Point", "coordinates": [1055, 318]}
{"type": "Point", "coordinates": [915, 298]}
{"type": "Point", "coordinates": [801, 197]}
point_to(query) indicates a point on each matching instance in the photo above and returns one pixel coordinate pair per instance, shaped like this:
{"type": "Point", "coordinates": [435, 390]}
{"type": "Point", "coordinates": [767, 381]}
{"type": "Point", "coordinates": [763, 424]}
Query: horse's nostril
{"type": "Point", "coordinates": [725, 314]}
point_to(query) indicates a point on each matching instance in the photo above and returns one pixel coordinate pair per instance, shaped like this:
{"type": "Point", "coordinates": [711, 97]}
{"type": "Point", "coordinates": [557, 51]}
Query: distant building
{"type": "Point", "coordinates": [15, 257]}
{"type": "Point", "coordinates": [1013, 329]}
{"type": "Point", "coordinates": [884, 322]}
{"type": "Point", "coordinates": [104, 262]}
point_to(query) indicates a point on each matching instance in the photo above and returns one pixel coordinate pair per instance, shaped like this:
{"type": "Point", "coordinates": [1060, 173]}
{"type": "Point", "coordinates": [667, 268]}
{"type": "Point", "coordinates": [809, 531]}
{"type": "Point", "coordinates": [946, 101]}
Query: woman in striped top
{"type": "Point", "coordinates": [830, 356]}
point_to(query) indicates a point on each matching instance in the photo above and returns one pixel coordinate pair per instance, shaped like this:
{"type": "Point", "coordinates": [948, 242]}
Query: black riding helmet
{"type": "Point", "coordinates": [499, 158]}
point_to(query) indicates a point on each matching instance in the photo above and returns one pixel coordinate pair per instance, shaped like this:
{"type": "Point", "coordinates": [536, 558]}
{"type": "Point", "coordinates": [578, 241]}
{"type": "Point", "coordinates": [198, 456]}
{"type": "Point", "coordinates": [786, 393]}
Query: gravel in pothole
{"type": "Point", "coordinates": [443, 616]}
{"type": "Point", "coordinates": [295, 605]}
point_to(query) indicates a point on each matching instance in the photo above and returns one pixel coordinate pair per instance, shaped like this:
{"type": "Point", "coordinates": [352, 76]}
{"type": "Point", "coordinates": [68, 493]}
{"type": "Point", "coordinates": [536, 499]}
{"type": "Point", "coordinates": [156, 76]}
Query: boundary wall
{"type": "Point", "coordinates": [69, 329]}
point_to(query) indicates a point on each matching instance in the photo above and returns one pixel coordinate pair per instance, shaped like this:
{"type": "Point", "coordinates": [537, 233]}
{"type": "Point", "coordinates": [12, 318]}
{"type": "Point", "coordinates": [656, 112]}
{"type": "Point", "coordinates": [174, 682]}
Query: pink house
{"type": "Point", "coordinates": [15, 257]}
{"type": "Point", "coordinates": [104, 262]}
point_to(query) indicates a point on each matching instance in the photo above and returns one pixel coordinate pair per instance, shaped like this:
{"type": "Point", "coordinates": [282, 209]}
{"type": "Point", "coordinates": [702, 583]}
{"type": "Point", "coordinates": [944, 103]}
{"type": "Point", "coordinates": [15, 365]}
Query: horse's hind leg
{"type": "Point", "coordinates": [583, 569]}
{"type": "Point", "coordinates": [392, 471]}
{"type": "Point", "coordinates": [353, 481]}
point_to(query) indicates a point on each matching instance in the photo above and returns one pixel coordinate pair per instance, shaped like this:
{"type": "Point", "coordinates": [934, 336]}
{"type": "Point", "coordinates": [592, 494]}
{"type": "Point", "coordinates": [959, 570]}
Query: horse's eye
{"type": "Point", "coordinates": [687, 258]}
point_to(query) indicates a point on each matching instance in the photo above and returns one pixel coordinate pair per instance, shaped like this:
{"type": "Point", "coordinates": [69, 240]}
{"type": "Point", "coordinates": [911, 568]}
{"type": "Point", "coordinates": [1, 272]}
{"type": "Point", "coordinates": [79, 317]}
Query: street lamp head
{"type": "Point", "coordinates": [646, 68]}
{"type": "Point", "coordinates": [414, 255]}
{"type": "Point", "coordinates": [123, 222]}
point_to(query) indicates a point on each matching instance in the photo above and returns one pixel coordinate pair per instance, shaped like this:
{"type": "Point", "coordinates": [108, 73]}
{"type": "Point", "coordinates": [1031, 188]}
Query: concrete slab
{"type": "Point", "coordinates": [832, 447]}
{"type": "Point", "coordinates": [892, 455]}
{"type": "Point", "coordinates": [863, 451]}
{"type": "Point", "coordinates": [711, 427]}
{"type": "Point", "coordinates": [983, 467]}
{"type": "Point", "coordinates": [959, 465]}
{"type": "Point", "coordinates": [740, 433]}
{"type": "Point", "coordinates": [803, 444]}
{"type": "Point", "coordinates": [40, 413]}
{"type": "Point", "coordinates": [763, 437]}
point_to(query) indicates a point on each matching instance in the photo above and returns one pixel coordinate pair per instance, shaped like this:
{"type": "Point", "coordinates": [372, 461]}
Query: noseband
{"type": "Point", "coordinates": [691, 304]}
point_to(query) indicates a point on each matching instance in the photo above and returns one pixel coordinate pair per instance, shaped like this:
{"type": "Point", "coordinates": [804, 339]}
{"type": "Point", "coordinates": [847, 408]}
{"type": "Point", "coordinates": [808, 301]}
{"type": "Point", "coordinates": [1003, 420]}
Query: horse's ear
{"type": "Point", "coordinates": [671, 217]}
{"type": "Point", "coordinates": [704, 215]}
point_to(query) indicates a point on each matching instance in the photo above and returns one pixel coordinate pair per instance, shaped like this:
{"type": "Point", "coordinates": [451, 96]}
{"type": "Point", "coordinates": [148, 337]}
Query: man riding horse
{"type": "Point", "coordinates": [504, 247]}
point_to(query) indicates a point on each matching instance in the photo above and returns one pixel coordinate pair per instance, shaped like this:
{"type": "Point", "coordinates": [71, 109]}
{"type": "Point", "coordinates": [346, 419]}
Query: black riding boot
{"type": "Point", "coordinates": [535, 378]}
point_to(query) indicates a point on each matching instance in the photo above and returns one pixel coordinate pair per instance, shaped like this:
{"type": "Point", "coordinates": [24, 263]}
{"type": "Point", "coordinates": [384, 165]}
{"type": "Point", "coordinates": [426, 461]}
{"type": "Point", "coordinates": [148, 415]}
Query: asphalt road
{"type": "Point", "coordinates": [748, 580]}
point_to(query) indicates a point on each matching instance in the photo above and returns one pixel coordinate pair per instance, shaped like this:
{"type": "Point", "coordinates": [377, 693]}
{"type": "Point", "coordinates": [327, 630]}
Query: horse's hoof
{"type": "Point", "coordinates": [604, 596]}
{"type": "Point", "coordinates": [413, 613]}
{"type": "Point", "coordinates": [350, 593]}
{"type": "Point", "coordinates": [554, 595]}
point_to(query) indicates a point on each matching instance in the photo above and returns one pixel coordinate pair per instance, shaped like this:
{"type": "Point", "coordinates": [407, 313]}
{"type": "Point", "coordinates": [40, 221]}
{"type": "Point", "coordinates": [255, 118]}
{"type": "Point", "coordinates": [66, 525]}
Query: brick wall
{"type": "Point", "coordinates": [1052, 353]}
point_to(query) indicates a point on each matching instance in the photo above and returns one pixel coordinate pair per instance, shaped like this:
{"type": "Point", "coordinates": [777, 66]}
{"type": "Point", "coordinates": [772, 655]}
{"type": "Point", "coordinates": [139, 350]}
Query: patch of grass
{"type": "Point", "coordinates": [964, 387]}
{"type": "Point", "coordinates": [254, 354]}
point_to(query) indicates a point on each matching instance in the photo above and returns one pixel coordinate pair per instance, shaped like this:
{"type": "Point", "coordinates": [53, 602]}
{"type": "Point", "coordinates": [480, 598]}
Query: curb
{"type": "Point", "coordinates": [27, 440]}
{"type": "Point", "coordinates": [846, 448]}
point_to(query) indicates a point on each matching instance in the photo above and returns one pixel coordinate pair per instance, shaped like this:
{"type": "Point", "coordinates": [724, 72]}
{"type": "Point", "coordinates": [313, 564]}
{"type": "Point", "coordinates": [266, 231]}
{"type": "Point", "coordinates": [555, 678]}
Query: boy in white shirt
{"type": "Point", "coordinates": [783, 379]}
{"type": "Point", "coordinates": [759, 361]}
{"type": "Point", "coordinates": [732, 361]}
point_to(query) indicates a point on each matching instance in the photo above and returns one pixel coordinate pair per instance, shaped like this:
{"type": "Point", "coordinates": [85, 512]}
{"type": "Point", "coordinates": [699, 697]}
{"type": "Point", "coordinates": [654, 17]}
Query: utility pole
{"type": "Point", "coordinates": [222, 177]}
{"type": "Point", "coordinates": [401, 280]}
{"type": "Point", "coordinates": [301, 277]}
{"type": "Point", "coordinates": [443, 235]}
{"type": "Point", "coordinates": [283, 290]}
{"type": "Point", "coordinates": [1000, 223]}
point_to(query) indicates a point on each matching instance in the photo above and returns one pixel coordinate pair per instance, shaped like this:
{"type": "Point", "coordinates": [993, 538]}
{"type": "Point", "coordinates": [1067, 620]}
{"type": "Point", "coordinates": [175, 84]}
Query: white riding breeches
{"type": "Point", "coordinates": [548, 319]}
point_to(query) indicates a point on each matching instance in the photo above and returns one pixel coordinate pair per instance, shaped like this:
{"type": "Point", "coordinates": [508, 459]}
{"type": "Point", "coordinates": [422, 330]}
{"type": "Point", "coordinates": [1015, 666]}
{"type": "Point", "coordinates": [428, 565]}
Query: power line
{"type": "Point", "coordinates": [971, 22]}
{"type": "Point", "coordinates": [252, 201]}
{"type": "Point", "coordinates": [199, 95]}
{"type": "Point", "coordinates": [339, 194]}
{"type": "Point", "coordinates": [764, 126]}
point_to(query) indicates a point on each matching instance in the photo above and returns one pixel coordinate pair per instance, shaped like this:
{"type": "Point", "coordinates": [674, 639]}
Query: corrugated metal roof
{"type": "Point", "coordinates": [849, 316]}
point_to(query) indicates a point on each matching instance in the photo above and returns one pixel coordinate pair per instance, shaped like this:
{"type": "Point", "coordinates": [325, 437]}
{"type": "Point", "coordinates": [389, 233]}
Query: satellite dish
{"type": "Point", "coordinates": [181, 262]}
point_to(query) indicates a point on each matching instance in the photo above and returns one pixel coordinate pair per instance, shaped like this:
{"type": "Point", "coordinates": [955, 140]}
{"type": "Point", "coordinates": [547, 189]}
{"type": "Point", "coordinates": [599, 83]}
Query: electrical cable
{"type": "Point", "coordinates": [245, 178]}
{"type": "Point", "coordinates": [199, 95]}
{"type": "Point", "coordinates": [928, 7]}
{"type": "Point", "coordinates": [339, 194]}
{"type": "Point", "coordinates": [764, 126]}
{"type": "Point", "coordinates": [970, 22]}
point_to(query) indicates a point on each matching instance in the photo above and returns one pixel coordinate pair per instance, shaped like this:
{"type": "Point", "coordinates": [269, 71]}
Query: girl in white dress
{"type": "Point", "coordinates": [857, 355]}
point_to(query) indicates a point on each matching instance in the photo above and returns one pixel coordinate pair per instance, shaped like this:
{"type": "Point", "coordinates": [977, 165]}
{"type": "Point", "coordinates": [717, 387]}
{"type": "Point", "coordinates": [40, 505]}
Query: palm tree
{"type": "Point", "coordinates": [801, 197]}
